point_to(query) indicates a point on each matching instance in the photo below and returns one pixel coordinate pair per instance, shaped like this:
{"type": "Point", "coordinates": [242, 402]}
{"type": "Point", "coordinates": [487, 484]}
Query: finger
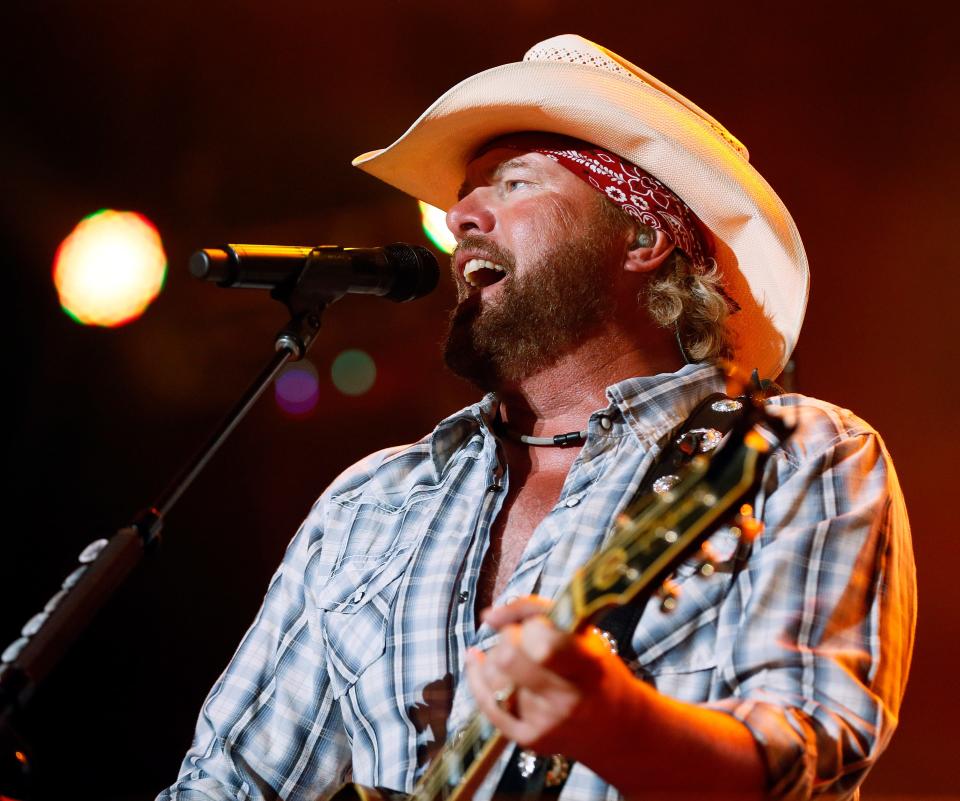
{"type": "Point", "coordinates": [541, 640]}
{"type": "Point", "coordinates": [488, 670]}
{"type": "Point", "coordinates": [579, 658]}
{"type": "Point", "coordinates": [487, 701]}
{"type": "Point", "coordinates": [540, 657]}
{"type": "Point", "coordinates": [519, 657]}
{"type": "Point", "coordinates": [515, 611]}
{"type": "Point", "coordinates": [532, 715]}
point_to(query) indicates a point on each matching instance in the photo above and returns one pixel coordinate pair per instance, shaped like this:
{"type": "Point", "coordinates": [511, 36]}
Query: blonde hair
{"type": "Point", "coordinates": [683, 297]}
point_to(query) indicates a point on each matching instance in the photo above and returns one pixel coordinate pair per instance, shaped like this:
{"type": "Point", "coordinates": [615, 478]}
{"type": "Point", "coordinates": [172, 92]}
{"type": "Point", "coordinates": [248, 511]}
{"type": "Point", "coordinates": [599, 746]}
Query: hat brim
{"type": "Point", "coordinates": [758, 247]}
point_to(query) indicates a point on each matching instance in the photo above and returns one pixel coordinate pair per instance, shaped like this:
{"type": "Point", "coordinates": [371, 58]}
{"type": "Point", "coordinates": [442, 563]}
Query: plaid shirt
{"type": "Point", "coordinates": [351, 668]}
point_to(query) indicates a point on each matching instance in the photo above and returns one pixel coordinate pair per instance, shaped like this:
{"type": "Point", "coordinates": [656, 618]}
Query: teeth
{"type": "Point", "coordinates": [474, 265]}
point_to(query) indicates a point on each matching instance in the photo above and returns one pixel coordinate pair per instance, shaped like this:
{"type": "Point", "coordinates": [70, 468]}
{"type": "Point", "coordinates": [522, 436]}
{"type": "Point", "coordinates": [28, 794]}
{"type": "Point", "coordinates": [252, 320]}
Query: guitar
{"type": "Point", "coordinates": [648, 541]}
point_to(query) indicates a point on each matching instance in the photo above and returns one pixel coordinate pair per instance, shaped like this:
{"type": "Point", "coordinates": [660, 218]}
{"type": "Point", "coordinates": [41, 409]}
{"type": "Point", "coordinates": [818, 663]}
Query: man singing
{"type": "Point", "coordinates": [614, 246]}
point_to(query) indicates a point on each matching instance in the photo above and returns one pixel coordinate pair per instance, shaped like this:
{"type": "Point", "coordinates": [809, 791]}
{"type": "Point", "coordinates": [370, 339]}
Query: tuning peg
{"type": "Point", "coordinates": [708, 560]}
{"type": "Point", "coordinates": [669, 594]}
{"type": "Point", "coordinates": [745, 525]}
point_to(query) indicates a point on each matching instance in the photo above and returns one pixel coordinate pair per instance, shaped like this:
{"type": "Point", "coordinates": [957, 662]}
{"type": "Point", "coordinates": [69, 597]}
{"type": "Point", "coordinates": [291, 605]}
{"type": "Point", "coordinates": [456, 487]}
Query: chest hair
{"type": "Point", "coordinates": [523, 509]}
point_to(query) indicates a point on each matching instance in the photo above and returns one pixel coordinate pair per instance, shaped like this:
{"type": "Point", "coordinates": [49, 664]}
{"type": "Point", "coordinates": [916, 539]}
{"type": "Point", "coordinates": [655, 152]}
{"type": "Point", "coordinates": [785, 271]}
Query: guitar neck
{"type": "Point", "coordinates": [463, 763]}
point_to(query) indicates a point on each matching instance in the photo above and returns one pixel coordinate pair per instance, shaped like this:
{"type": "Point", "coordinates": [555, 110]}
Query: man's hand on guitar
{"type": "Point", "coordinates": [571, 695]}
{"type": "Point", "coordinates": [564, 687]}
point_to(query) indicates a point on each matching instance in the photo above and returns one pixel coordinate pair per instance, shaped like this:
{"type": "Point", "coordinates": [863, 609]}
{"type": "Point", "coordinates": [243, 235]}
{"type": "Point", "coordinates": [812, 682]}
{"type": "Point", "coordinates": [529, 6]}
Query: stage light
{"type": "Point", "coordinates": [353, 372]}
{"type": "Point", "coordinates": [434, 223]}
{"type": "Point", "coordinates": [110, 268]}
{"type": "Point", "coordinates": [297, 388]}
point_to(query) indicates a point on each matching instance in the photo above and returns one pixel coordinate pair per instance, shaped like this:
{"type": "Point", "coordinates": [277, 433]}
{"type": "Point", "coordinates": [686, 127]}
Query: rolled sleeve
{"type": "Point", "coordinates": [819, 664]}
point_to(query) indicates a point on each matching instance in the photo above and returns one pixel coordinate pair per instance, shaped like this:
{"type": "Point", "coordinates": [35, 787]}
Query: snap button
{"type": "Point", "coordinates": [572, 501]}
{"type": "Point", "coordinates": [606, 423]}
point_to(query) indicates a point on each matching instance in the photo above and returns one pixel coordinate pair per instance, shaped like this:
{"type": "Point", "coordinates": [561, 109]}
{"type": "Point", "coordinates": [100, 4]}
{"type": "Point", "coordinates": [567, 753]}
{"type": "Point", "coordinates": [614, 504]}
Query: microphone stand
{"type": "Point", "coordinates": [105, 564]}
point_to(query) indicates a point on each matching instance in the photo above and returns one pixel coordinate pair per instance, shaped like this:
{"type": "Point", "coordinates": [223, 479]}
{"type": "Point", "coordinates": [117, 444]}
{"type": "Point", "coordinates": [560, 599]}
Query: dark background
{"type": "Point", "coordinates": [236, 121]}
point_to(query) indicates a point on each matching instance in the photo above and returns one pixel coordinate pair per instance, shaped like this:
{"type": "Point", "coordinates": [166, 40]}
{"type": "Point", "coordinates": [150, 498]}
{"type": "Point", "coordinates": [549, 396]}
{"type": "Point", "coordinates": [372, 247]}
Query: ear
{"type": "Point", "coordinates": [647, 259]}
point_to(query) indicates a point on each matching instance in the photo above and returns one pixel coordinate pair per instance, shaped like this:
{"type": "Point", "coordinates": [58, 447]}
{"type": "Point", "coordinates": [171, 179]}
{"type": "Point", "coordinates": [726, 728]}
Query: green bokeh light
{"type": "Point", "coordinates": [353, 372]}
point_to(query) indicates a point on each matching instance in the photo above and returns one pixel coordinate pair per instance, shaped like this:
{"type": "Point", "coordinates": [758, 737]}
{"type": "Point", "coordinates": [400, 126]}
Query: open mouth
{"type": "Point", "coordinates": [481, 272]}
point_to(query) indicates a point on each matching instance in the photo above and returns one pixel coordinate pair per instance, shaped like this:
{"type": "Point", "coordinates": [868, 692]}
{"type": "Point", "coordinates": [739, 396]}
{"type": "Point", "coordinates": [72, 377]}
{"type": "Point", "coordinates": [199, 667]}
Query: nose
{"type": "Point", "coordinates": [471, 214]}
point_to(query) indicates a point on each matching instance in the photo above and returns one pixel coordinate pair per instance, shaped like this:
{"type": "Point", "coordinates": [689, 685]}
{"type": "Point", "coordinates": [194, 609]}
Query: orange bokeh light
{"type": "Point", "coordinates": [110, 268]}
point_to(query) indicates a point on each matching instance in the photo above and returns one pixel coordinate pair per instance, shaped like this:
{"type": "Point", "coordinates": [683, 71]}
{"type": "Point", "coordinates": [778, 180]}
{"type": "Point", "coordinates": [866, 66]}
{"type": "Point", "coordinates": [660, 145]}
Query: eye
{"type": "Point", "coordinates": [514, 183]}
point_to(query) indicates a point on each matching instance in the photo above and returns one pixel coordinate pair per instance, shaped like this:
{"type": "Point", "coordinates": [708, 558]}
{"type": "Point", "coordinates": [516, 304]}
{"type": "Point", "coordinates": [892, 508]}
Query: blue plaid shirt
{"type": "Point", "coordinates": [352, 668]}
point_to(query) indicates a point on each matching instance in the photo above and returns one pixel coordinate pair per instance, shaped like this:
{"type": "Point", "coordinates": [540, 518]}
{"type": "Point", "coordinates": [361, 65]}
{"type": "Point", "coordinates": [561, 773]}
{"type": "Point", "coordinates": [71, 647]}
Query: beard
{"type": "Point", "coordinates": [538, 316]}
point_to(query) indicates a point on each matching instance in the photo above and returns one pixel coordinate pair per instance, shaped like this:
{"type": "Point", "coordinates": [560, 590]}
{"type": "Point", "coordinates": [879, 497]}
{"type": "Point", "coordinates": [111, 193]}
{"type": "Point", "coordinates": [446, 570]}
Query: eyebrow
{"type": "Point", "coordinates": [502, 167]}
{"type": "Point", "coordinates": [509, 164]}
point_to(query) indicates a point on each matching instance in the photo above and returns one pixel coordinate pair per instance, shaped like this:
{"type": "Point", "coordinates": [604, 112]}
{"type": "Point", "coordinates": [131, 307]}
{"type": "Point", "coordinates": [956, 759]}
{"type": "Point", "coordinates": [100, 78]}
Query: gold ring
{"type": "Point", "coordinates": [502, 698]}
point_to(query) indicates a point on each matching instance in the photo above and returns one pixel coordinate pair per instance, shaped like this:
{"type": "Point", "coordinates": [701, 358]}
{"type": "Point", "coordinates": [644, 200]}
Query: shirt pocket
{"type": "Point", "coordinates": [368, 527]}
{"type": "Point", "coordinates": [355, 606]}
{"type": "Point", "coordinates": [685, 665]}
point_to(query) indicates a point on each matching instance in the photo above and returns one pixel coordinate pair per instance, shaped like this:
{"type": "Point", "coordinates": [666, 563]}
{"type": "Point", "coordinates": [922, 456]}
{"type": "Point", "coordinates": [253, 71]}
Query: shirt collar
{"type": "Point", "coordinates": [650, 405]}
{"type": "Point", "coordinates": [654, 405]}
{"type": "Point", "coordinates": [452, 432]}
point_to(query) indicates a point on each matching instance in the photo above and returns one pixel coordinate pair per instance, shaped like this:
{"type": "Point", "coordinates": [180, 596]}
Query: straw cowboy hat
{"type": "Point", "coordinates": [570, 86]}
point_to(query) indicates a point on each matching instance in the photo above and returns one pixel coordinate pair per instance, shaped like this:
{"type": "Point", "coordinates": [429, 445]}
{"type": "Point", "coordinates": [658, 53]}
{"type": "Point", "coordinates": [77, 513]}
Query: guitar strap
{"type": "Point", "coordinates": [529, 777]}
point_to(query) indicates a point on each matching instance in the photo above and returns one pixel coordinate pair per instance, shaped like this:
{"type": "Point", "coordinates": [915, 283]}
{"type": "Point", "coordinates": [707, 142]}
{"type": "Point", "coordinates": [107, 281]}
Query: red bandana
{"type": "Point", "coordinates": [633, 189]}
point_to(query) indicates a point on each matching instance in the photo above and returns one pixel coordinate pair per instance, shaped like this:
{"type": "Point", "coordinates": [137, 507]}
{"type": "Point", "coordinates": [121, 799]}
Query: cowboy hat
{"type": "Point", "coordinates": [568, 85]}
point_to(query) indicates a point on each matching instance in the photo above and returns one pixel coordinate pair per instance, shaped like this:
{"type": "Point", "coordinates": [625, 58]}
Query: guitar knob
{"type": "Point", "coordinates": [527, 763]}
{"type": "Point", "coordinates": [557, 770]}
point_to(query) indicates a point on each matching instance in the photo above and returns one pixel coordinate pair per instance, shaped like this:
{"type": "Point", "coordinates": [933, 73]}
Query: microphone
{"type": "Point", "coordinates": [399, 272]}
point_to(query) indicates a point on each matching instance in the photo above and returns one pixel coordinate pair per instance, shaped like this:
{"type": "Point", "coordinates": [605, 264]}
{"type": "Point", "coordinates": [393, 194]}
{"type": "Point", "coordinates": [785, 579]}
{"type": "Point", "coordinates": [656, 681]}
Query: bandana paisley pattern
{"type": "Point", "coordinates": [639, 194]}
